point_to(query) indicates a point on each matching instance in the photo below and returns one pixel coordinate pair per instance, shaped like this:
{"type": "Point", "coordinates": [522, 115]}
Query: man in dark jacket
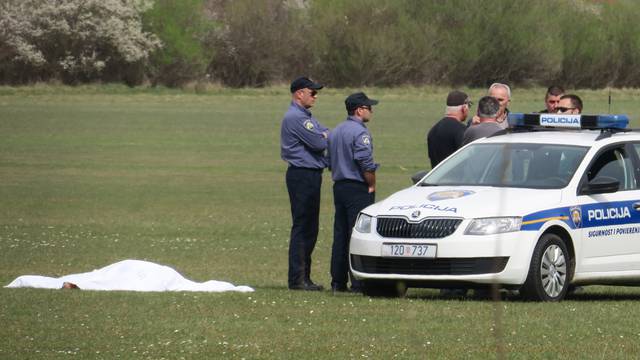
{"type": "Point", "coordinates": [445, 137]}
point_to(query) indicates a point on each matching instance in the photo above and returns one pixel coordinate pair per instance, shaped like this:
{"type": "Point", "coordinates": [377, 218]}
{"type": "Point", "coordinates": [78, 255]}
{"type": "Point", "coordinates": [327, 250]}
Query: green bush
{"type": "Point", "coordinates": [575, 43]}
{"type": "Point", "coordinates": [184, 31]}
{"type": "Point", "coordinates": [601, 46]}
{"type": "Point", "coordinates": [391, 42]}
{"type": "Point", "coordinates": [370, 42]}
{"type": "Point", "coordinates": [261, 42]}
{"type": "Point", "coordinates": [490, 41]}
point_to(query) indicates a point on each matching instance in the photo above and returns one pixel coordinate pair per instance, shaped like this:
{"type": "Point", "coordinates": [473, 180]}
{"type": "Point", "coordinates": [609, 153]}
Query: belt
{"type": "Point", "coordinates": [350, 181]}
{"type": "Point", "coordinates": [303, 168]}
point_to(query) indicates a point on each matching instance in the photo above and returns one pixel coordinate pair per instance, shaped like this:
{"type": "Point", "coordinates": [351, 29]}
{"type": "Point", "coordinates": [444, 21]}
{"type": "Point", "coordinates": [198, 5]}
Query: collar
{"type": "Point", "coordinates": [356, 119]}
{"type": "Point", "coordinates": [300, 108]}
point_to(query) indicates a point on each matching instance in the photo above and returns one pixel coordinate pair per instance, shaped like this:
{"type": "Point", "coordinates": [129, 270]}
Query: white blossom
{"type": "Point", "coordinates": [75, 36]}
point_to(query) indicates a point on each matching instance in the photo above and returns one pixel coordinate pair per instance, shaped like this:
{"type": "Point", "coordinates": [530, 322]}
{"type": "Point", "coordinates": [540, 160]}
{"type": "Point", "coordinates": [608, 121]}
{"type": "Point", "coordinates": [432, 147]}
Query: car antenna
{"type": "Point", "coordinates": [609, 100]}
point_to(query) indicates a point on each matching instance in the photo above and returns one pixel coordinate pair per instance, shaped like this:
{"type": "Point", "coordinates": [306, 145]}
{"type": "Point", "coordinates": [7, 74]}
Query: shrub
{"type": "Point", "coordinates": [184, 31]}
{"type": "Point", "coordinates": [74, 40]}
{"type": "Point", "coordinates": [259, 43]}
{"type": "Point", "coordinates": [601, 46]}
{"type": "Point", "coordinates": [576, 43]}
{"type": "Point", "coordinates": [369, 42]}
{"type": "Point", "coordinates": [502, 40]}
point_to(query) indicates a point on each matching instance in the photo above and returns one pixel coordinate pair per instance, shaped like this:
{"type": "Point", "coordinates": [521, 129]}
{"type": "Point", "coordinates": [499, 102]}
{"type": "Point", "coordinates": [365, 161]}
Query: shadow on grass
{"type": "Point", "coordinates": [514, 296]}
{"type": "Point", "coordinates": [508, 296]}
{"type": "Point", "coordinates": [603, 297]}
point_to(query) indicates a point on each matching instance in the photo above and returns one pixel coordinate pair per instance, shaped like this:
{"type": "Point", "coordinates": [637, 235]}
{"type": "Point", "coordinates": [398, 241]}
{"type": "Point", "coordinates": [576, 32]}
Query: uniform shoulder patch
{"type": "Point", "coordinates": [366, 139]}
{"type": "Point", "coordinates": [308, 125]}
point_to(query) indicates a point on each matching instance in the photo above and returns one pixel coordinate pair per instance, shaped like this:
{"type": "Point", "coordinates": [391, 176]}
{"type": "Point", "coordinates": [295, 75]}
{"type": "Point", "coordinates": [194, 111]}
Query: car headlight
{"type": "Point", "coordinates": [363, 223]}
{"type": "Point", "coordinates": [497, 225]}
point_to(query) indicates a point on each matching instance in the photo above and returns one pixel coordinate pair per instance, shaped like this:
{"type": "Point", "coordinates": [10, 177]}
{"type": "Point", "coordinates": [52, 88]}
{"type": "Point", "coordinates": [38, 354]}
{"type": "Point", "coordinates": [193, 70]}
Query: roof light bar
{"type": "Point", "coordinates": [569, 121]}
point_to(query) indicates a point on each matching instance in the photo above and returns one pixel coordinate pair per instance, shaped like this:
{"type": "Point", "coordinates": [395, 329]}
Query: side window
{"type": "Point", "coordinates": [614, 163]}
{"type": "Point", "coordinates": [637, 147]}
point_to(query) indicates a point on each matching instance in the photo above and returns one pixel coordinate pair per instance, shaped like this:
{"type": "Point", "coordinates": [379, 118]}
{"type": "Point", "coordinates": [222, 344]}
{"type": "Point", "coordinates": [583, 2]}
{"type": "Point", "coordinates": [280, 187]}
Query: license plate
{"type": "Point", "coordinates": [409, 250]}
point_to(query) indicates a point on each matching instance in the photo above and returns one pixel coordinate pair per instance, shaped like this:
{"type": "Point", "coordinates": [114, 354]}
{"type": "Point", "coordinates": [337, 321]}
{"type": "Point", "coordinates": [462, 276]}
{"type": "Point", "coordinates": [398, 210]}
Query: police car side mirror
{"type": "Point", "coordinates": [600, 185]}
{"type": "Point", "coordinates": [418, 176]}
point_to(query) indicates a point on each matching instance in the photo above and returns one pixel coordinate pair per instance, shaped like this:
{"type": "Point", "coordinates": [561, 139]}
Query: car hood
{"type": "Point", "coordinates": [418, 202]}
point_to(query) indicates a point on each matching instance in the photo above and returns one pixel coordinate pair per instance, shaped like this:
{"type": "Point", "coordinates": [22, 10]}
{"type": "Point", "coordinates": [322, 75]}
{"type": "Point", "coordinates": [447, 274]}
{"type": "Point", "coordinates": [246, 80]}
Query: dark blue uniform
{"type": "Point", "coordinates": [303, 146]}
{"type": "Point", "coordinates": [350, 155]}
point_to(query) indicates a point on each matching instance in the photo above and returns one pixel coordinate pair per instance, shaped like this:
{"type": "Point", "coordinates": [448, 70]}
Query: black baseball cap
{"type": "Point", "coordinates": [357, 100]}
{"type": "Point", "coordinates": [304, 82]}
{"type": "Point", "coordinates": [457, 98]}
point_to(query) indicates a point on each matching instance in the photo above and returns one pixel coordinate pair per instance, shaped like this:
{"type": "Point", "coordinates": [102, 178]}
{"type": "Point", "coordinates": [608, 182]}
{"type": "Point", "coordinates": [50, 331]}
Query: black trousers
{"type": "Point", "coordinates": [349, 198]}
{"type": "Point", "coordinates": [303, 186]}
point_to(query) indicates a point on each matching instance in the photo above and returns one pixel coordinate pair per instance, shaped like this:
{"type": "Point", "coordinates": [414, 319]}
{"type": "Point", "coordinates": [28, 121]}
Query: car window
{"type": "Point", "coordinates": [513, 165]}
{"type": "Point", "coordinates": [614, 163]}
{"type": "Point", "coordinates": [637, 148]}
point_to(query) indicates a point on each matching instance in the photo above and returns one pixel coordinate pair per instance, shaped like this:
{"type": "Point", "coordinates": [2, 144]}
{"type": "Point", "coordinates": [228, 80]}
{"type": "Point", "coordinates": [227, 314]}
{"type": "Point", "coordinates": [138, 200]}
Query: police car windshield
{"type": "Point", "coordinates": [540, 166]}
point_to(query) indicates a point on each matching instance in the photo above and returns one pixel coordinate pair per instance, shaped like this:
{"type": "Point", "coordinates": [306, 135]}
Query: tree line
{"type": "Point", "coordinates": [238, 43]}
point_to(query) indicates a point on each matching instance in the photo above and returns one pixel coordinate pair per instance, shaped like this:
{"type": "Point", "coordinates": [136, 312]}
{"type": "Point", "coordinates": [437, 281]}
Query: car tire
{"type": "Point", "coordinates": [549, 272]}
{"type": "Point", "coordinates": [378, 288]}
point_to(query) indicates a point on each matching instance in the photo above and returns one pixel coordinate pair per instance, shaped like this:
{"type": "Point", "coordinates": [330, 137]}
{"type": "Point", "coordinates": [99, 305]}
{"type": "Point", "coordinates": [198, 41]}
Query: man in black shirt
{"type": "Point", "coordinates": [445, 137]}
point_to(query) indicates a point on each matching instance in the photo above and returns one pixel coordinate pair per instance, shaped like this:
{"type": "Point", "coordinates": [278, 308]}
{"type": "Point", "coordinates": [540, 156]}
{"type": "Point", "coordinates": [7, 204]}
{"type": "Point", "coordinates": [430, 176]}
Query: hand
{"type": "Point", "coordinates": [372, 189]}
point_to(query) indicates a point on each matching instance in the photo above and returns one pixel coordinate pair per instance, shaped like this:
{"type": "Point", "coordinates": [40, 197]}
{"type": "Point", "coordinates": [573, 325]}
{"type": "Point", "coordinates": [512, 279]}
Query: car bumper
{"type": "Point", "coordinates": [486, 259]}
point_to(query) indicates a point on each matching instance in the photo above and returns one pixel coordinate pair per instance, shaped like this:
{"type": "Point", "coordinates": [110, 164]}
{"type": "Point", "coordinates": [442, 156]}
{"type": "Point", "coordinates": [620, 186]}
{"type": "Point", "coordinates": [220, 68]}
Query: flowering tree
{"type": "Point", "coordinates": [74, 40]}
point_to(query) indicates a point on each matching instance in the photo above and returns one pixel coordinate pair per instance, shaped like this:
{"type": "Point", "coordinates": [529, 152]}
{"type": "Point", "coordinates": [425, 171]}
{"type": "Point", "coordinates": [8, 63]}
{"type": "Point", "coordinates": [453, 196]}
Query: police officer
{"type": "Point", "coordinates": [303, 141]}
{"type": "Point", "coordinates": [354, 174]}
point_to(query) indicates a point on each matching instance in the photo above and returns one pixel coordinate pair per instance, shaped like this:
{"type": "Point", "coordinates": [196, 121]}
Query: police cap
{"type": "Point", "coordinates": [357, 100]}
{"type": "Point", "coordinates": [304, 82]}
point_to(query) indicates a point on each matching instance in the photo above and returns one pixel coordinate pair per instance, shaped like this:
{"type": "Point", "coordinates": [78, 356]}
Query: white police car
{"type": "Point", "coordinates": [535, 210]}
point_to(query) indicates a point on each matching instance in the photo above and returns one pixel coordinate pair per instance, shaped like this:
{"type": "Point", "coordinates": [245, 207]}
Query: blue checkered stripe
{"type": "Point", "coordinates": [585, 216]}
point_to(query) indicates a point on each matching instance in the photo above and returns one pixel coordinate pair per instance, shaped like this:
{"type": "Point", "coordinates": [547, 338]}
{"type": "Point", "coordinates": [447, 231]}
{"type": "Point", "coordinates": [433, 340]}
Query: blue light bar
{"type": "Point", "coordinates": [569, 121]}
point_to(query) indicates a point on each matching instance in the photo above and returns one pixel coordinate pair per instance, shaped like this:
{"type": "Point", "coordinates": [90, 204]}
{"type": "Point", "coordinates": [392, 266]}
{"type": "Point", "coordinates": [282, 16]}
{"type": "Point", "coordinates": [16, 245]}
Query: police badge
{"type": "Point", "coordinates": [308, 125]}
{"type": "Point", "coordinates": [576, 216]}
{"type": "Point", "coordinates": [450, 194]}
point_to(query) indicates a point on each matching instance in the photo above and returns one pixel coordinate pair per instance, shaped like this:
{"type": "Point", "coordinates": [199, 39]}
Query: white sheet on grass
{"type": "Point", "coordinates": [130, 275]}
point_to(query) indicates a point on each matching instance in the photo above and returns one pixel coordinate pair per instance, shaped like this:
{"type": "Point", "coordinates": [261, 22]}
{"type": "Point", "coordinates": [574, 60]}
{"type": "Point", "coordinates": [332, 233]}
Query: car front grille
{"type": "Point", "coordinates": [394, 227]}
{"type": "Point", "coordinates": [441, 266]}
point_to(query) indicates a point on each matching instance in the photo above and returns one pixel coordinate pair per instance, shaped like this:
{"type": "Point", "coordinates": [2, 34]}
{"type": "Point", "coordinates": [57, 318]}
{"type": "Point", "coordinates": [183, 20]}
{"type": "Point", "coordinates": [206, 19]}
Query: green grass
{"type": "Point", "coordinates": [194, 181]}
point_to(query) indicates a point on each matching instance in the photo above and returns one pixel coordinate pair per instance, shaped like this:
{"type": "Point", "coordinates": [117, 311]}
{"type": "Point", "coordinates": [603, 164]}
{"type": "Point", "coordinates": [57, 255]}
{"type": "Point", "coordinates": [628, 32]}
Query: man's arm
{"type": "Point", "coordinates": [370, 178]}
{"type": "Point", "coordinates": [363, 155]}
{"type": "Point", "coordinates": [307, 133]}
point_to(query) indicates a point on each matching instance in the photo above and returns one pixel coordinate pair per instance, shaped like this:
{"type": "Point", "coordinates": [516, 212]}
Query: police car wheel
{"type": "Point", "coordinates": [548, 278]}
{"type": "Point", "coordinates": [379, 288]}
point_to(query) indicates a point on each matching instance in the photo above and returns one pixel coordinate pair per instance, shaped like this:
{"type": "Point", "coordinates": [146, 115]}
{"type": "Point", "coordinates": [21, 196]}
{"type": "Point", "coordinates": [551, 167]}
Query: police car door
{"type": "Point", "coordinates": [611, 221]}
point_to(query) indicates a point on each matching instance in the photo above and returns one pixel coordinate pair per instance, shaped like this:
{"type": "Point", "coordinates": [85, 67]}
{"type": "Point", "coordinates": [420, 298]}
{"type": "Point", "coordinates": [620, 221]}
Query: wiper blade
{"type": "Point", "coordinates": [427, 184]}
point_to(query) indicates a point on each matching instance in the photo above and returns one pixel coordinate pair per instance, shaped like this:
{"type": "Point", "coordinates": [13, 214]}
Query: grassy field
{"type": "Point", "coordinates": [93, 175]}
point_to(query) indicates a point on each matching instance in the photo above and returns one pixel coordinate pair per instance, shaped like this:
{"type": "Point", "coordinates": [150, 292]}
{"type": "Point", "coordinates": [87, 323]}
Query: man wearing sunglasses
{"type": "Point", "coordinates": [303, 143]}
{"type": "Point", "coordinates": [569, 104]}
{"type": "Point", "coordinates": [353, 171]}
